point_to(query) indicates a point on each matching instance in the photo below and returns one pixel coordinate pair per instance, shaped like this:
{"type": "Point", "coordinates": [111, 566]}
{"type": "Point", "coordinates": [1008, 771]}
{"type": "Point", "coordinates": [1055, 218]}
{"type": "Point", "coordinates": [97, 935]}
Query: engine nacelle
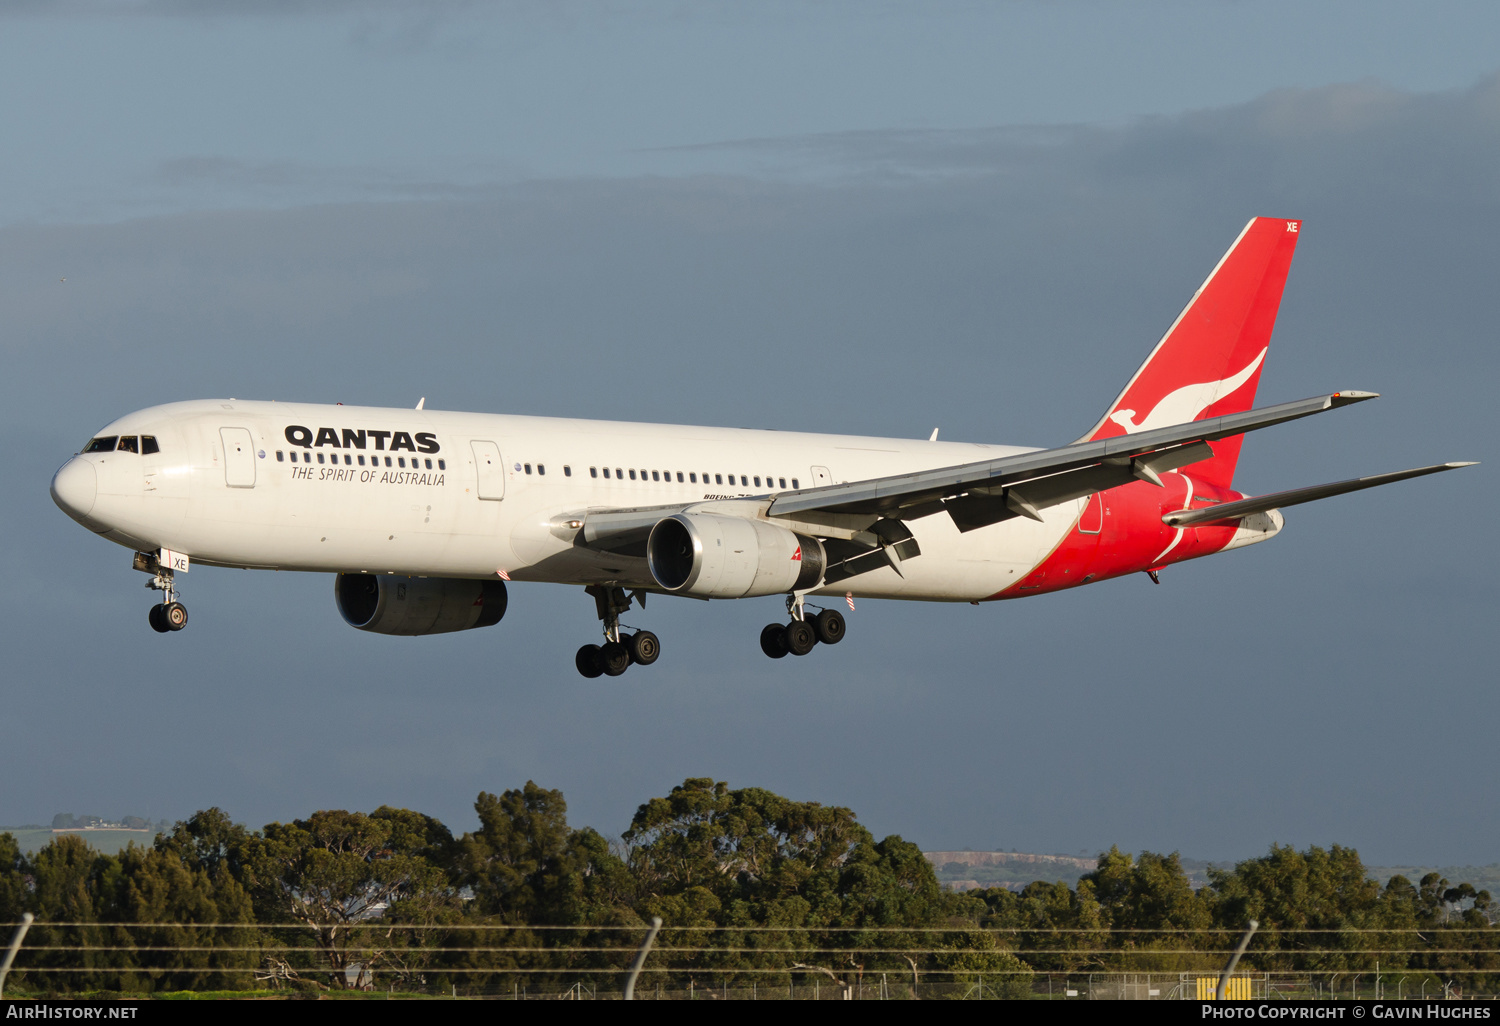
{"type": "Point", "coordinates": [714, 556]}
{"type": "Point", "coordinates": [388, 604]}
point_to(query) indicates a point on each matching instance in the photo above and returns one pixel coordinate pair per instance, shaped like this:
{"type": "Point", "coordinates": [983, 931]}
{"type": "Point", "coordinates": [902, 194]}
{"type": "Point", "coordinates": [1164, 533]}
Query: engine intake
{"type": "Point", "coordinates": [387, 604]}
{"type": "Point", "coordinates": [712, 556]}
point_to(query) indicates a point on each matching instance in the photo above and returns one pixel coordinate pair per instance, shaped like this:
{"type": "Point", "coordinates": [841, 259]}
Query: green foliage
{"type": "Point", "coordinates": [336, 872]}
{"type": "Point", "coordinates": [977, 960]}
{"type": "Point", "coordinates": [525, 865]}
{"type": "Point", "coordinates": [751, 886]}
{"type": "Point", "coordinates": [12, 880]}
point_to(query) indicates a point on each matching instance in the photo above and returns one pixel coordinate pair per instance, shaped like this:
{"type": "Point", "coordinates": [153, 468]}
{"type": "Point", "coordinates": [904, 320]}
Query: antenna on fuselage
{"type": "Point", "coordinates": [421, 401]}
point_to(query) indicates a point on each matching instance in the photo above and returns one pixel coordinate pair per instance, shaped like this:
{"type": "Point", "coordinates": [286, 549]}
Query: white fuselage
{"type": "Point", "coordinates": [348, 503]}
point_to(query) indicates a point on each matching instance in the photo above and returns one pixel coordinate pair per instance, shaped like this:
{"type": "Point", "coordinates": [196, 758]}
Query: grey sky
{"type": "Point", "coordinates": [101, 108]}
{"type": "Point", "coordinates": [756, 227]}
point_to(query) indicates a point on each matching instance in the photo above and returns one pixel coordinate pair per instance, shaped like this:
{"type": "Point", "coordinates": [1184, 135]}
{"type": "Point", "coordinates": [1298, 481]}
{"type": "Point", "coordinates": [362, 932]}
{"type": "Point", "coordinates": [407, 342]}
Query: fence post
{"type": "Point", "coordinates": [15, 945]}
{"type": "Point", "coordinates": [640, 958]}
{"type": "Point", "coordinates": [1234, 960]}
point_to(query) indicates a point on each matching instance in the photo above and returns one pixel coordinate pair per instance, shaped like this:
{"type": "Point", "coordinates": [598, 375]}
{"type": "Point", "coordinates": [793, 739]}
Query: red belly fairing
{"type": "Point", "coordinates": [1131, 536]}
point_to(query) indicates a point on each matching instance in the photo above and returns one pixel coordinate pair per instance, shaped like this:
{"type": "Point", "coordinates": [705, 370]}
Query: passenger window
{"type": "Point", "coordinates": [795, 484]}
{"type": "Point", "coordinates": [148, 445]}
{"type": "Point", "coordinates": [619, 473]}
{"type": "Point", "coordinates": [105, 444]}
{"type": "Point", "coordinates": [567, 470]}
{"type": "Point", "coordinates": [745, 481]}
{"type": "Point", "coordinates": [692, 478]}
{"type": "Point", "coordinates": [528, 468]}
{"type": "Point", "coordinates": [718, 479]}
{"type": "Point", "coordinates": [606, 472]}
{"type": "Point", "coordinates": [361, 459]}
{"type": "Point", "coordinates": [541, 468]}
{"type": "Point", "coordinates": [442, 464]}
{"type": "Point", "coordinates": [655, 475]}
{"type": "Point", "coordinates": [349, 461]}
{"type": "Point", "coordinates": [757, 480]}
{"type": "Point", "coordinates": [129, 443]}
{"type": "Point", "coordinates": [782, 483]}
{"type": "Point", "coordinates": [632, 473]}
{"type": "Point", "coordinates": [320, 457]}
{"type": "Point", "coordinates": [593, 471]}
{"type": "Point", "coordinates": [294, 455]}
{"type": "Point", "coordinates": [280, 456]}
{"type": "Point", "coordinates": [679, 477]}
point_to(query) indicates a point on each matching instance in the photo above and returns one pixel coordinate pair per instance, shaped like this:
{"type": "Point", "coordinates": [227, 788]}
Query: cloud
{"type": "Point", "coordinates": [1300, 139]}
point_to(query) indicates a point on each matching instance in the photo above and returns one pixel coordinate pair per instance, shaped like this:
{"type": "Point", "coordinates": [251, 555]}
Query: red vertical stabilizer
{"type": "Point", "coordinates": [1209, 361]}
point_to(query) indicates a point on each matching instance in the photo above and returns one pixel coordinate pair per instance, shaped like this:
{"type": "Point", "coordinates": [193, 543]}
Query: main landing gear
{"type": "Point", "coordinates": [804, 632]}
{"type": "Point", "coordinates": [620, 649]}
{"type": "Point", "coordinates": [169, 614]}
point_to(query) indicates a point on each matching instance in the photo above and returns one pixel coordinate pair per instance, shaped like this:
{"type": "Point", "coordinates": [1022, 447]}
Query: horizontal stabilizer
{"type": "Point", "coordinates": [1261, 503]}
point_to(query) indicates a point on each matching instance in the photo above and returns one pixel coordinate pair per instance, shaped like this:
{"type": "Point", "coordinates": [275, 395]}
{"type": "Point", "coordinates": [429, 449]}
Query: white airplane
{"type": "Point", "coordinates": [423, 515]}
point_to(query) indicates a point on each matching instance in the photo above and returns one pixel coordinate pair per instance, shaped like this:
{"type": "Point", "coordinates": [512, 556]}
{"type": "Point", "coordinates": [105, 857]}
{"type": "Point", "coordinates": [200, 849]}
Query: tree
{"type": "Point", "coordinates": [1149, 905]}
{"type": "Point", "coordinates": [209, 840]}
{"type": "Point", "coordinates": [1313, 900]}
{"type": "Point", "coordinates": [523, 863]}
{"type": "Point", "coordinates": [336, 872]}
{"type": "Point", "coordinates": [12, 880]}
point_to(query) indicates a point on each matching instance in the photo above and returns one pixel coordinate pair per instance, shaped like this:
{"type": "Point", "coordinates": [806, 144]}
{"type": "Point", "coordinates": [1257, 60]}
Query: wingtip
{"type": "Point", "coordinates": [1455, 466]}
{"type": "Point", "coordinates": [1351, 395]}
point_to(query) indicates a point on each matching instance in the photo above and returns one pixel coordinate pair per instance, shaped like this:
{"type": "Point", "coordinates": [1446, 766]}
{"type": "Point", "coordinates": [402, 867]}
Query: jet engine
{"type": "Point", "coordinates": [712, 556]}
{"type": "Point", "coordinates": [389, 604]}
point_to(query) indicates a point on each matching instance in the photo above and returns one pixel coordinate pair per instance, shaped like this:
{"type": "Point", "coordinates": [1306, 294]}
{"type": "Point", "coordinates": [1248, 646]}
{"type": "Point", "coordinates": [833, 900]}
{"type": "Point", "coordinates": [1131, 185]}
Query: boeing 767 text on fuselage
{"type": "Point", "coordinates": [424, 515]}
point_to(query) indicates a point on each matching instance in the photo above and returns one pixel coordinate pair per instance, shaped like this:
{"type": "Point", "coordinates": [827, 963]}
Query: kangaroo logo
{"type": "Point", "coordinates": [1187, 403]}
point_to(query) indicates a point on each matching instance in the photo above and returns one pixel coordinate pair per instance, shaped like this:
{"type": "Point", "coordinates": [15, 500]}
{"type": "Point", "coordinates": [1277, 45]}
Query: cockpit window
{"type": "Point", "coordinates": [104, 444]}
{"type": "Point", "coordinates": [129, 443]}
{"type": "Point", "coordinates": [148, 445]}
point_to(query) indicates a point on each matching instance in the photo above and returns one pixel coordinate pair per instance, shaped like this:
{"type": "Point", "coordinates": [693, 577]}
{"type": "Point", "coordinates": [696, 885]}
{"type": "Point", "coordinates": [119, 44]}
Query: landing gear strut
{"type": "Point", "coordinates": [803, 633]}
{"type": "Point", "coordinates": [620, 649]}
{"type": "Point", "coordinates": [169, 614]}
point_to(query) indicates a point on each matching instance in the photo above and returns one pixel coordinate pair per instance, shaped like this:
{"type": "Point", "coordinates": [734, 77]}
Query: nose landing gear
{"type": "Point", "coordinates": [620, 649]}
{"type": "Point", "coordinates": [169, 614]}
{"type": "Point", "coordinates": [803, 633]}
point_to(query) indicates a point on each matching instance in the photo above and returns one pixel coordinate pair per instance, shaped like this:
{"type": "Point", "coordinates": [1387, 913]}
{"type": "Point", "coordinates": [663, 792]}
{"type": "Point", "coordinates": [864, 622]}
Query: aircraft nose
{"type": "Point", "coordinates": [74, 488]}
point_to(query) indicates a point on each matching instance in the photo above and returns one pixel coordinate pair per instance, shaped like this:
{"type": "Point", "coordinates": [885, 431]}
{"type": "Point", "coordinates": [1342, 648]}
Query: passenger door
{"type": "Point", "coordinates": [490, 470]}
{"type": "Point", "coordinates": [239, 457]}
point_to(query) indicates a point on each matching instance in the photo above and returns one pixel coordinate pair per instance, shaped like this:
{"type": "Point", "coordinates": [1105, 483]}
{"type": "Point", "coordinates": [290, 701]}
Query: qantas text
{"type": "Point", "coordinates": [345, 438]}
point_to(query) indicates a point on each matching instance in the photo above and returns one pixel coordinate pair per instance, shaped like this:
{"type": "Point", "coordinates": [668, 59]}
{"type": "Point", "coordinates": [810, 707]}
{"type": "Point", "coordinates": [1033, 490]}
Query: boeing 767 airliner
{"type": "Point", "coordinates": [423, 515]}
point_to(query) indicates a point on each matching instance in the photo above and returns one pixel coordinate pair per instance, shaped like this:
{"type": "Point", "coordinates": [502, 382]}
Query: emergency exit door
{"type": "Point", "coordinates": [491, 471]}
{"type": "Point", "coordinates": [239, 457]}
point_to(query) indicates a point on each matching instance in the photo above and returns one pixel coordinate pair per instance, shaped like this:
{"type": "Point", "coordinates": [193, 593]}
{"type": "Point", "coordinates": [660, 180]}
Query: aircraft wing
{"type": "Point", "coordinates": [1276, 500]}
{"type": "Point", "coordinates": [978, 494]}
{"type": "Point", "coordinates": [868, 515]}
